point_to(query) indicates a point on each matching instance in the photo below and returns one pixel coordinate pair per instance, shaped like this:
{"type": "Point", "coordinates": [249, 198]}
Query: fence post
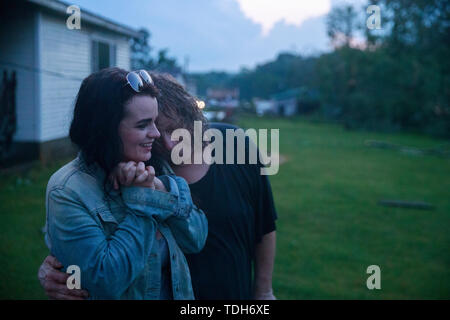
{"type": "Point", "coordinates": [8, 119]}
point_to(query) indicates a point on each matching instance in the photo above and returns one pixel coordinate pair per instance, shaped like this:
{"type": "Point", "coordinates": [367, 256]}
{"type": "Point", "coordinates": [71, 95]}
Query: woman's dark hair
{"type": "Point", "coordinates": [99, 108]}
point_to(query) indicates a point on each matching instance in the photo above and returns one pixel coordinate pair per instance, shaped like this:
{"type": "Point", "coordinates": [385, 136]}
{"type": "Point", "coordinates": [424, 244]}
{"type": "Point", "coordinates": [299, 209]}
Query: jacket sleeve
{"type": "Point", "coordinates": [189, 231]}
{"type": "Point", "coordinates": [188, 223]}
{"type": "Point", "coordinates": [174, 203]}
{"type": "Point", "coordinates": [108, 265]}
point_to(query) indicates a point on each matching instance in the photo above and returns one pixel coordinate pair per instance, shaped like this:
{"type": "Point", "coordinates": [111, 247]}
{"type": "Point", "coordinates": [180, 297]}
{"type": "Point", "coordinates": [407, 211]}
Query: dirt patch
{"type": "Point", "coordinates": [283, 159]}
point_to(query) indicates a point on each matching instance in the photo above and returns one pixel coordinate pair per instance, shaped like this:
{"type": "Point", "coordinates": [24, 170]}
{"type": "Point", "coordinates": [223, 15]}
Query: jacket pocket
{"type": "Point", "coordinates": [108, 221]}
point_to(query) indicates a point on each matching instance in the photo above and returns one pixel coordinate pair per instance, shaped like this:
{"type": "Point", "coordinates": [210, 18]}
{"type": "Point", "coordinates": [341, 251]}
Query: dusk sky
{"type": "Point", "coordinates": [224, 35]}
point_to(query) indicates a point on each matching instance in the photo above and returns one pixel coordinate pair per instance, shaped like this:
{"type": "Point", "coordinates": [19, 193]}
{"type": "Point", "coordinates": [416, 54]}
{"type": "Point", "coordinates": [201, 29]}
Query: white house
{"type": "Point", "coordinates": [50, 61]}
{"type": "Point", "coordinates": [263, 106]}
{"type": "Point", "coordinates": [286, 103]}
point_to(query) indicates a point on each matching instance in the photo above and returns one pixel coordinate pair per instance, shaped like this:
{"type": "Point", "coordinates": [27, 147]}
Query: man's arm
{"type": "Point", "coordinates": [264, 261]}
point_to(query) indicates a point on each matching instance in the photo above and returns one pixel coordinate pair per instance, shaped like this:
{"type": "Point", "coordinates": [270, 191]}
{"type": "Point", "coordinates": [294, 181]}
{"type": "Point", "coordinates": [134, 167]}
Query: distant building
{"type": "Point", "coordinates": [264, 106]}
{"type": "Point", "coordinates": [226, 98]}
{"type": "Point", "coordinates": [295, 101]}
{"type": "Point", "coordinates": [50, 61]}
{"type": "Point", "coordinates": [286, 103]}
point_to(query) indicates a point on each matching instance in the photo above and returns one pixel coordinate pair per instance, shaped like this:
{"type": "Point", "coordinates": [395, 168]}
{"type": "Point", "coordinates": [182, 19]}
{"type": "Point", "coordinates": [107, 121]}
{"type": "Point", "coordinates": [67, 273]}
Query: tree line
{"type": "Point", "coordinates": [396, 78]}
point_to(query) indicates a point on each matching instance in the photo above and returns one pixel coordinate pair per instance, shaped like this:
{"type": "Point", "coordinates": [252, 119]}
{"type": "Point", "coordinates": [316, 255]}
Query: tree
{"type": "Point", "coordinates": [166, 64]}
{"type": "Point", "coordinates": [141, 57]}
{"type": "Point", "coordinates": [341, 25]}
{"type": "Point", "coordinates": [401, 81]}
{"type": "Point", "coordinates": [140, 51]}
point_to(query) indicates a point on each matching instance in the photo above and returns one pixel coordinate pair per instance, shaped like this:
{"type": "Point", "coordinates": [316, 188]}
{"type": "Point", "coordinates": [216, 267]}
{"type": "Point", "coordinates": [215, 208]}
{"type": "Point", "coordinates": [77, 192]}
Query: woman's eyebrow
{"type": "Point", "coordinates": [144, 120]}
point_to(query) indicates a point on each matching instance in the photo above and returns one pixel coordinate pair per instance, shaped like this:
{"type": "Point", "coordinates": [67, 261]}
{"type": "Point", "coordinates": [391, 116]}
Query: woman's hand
{"type": "Point", "coordinates": [123, 174]}
{"type": "Point", "coordinates": [136, 174]}
{"type": "Point", "coordinates": [144, 176]}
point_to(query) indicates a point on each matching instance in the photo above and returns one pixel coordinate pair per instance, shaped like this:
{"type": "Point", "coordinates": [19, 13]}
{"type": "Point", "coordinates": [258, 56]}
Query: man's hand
{"type": "Point", "coordinates": [258, 295]}
{"type": "Point", "coordinates": [54, 281]}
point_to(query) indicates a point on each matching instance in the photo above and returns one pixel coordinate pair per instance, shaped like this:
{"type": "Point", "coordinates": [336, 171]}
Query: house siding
{"type": "Point", "coordinates": [17, 43]}
{"type": "Point", "coordinates": [65, 59]}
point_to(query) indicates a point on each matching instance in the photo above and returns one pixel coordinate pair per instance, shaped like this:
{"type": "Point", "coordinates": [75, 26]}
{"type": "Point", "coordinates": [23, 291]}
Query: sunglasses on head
{"type": "Point", "coordinates": [136, 79]}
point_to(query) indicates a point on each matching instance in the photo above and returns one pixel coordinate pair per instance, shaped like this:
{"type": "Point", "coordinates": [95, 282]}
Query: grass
{"type": "Point", "coordinates": [329, 228]}
{"type": "Point", "coordinates": [22, 248]}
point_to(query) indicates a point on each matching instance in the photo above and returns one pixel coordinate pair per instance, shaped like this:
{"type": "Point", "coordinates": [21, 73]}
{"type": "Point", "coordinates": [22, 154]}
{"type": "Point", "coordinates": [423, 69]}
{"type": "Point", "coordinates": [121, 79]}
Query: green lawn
{"type": "Point", "coordinates": [330, 228]}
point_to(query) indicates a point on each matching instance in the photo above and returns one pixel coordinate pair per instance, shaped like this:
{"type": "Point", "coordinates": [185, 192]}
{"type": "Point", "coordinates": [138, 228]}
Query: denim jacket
{"type": "Point", "coordinates": [112, 239]}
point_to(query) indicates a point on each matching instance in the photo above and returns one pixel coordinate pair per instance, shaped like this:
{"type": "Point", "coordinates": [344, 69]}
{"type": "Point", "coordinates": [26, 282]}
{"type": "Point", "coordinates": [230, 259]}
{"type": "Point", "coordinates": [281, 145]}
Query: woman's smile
{"type": "Point", "coordinates": [137, 129]}
{"type": "Point", "coordinates": [147, 145]}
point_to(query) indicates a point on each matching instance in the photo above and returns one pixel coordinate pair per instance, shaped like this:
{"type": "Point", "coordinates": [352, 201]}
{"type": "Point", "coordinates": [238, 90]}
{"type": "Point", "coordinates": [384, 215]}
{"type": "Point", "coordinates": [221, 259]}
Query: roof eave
{"type": "Point", "coordinates": [91, 18]}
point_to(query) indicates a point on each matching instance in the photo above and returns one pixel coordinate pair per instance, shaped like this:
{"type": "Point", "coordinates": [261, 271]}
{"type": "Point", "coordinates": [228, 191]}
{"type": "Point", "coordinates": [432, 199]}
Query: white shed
{"type": "Point", "coordinates": [50, 61]}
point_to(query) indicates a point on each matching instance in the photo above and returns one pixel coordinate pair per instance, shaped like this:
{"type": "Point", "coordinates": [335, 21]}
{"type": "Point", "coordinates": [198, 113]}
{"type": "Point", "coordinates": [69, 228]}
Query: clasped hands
{"type": "Point", "coordinates": [135, 174]}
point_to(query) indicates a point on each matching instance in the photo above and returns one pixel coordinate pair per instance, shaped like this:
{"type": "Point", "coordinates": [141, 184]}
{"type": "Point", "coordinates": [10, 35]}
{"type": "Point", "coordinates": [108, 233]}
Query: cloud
{"type": "Point", "coordinates": [214, 34]}
{"type": "Point", "coordinates": [268, 12]}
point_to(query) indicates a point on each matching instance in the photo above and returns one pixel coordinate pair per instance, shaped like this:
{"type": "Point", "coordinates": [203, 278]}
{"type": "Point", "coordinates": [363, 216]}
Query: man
{"type": "Point", "coordinates": [236, 199]}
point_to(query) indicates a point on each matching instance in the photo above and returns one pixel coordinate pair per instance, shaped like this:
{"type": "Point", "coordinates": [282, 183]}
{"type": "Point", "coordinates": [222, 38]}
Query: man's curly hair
{"type": "Point", "coordinates": [175, 103]}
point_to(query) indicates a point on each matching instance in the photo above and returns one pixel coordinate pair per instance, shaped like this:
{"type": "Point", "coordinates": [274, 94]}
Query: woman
{"type": "Point", "coordinates": [112, 235]}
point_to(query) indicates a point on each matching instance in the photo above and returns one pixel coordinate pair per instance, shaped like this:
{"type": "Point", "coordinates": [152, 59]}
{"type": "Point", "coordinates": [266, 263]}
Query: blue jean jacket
{"type": "Point", "coordinates": [112, 239]}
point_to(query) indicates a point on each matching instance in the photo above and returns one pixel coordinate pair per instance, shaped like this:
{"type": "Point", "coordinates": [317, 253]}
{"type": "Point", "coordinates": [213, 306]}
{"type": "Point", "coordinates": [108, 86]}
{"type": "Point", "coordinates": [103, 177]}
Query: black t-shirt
{"type": "Point", "coordinates": [238, 203]}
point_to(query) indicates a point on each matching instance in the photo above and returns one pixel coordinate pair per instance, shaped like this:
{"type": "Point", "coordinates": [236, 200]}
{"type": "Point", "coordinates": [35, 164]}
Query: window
{"type": "Point", "coordinates": [103, 55]}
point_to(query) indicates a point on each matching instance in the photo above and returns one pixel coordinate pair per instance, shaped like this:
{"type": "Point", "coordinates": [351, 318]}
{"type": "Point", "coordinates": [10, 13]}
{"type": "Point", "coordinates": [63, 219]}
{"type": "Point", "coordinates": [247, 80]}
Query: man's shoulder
{"type": "Point", "coordinates": [222, 126]}
{"type": "Point", "coordinates": [251, 151]}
